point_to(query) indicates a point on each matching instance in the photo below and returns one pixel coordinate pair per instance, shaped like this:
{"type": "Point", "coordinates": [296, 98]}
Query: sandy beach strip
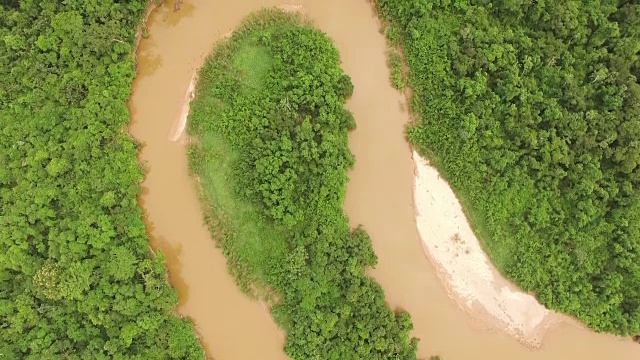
{"type": "Point", "coordinates": [464, 268]}
{"type": "Point", "coordinates": [178, 127]}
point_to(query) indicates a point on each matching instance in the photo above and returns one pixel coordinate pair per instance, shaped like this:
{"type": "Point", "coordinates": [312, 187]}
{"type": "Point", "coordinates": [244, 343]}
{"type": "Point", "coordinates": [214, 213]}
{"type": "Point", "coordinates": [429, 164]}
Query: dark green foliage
{"type": "Point", "coordinates": [77, 279]}
{"type": "Point", "coordinates": [271, 154]}
{"type": "Point", "coordinates": [532, 111]}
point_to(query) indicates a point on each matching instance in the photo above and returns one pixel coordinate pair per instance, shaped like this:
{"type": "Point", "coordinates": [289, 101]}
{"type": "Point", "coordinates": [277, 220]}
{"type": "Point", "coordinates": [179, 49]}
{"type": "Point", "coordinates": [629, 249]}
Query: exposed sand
{"type": "Point", "coordinates": [180, 124]}
{"type": "Point", "coordinates": [178, 127]}
{"type": "Point", "coordinates": [464, 269]}
{"type": "Point", "coordinates": [290, 7]}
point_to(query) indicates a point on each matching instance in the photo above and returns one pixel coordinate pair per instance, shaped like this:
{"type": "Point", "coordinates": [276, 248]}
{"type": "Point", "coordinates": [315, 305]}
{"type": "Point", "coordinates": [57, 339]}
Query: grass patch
{"type": "Point", "coordinates": [252, 246]}
{"type": "Point", "coordinates": [254, 63]}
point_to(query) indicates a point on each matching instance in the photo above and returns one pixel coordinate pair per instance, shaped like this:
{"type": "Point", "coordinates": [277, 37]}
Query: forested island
{"type": "Point", "coordinates": [531, 110]}
{"type": "Point", "coordinates": [77, 277]}
{"type": "Point", "coordinates": [269, 151]}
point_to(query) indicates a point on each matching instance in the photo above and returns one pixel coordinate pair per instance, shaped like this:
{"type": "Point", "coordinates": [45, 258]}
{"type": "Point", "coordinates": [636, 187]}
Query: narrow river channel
{"type": "Point", "coordinates": [379, 195]}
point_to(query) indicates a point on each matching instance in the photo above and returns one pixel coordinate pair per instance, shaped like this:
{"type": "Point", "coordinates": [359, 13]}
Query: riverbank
{"type": "Point", "coordinates": [177, 130]}
{"type": "Point", "coordinates": [230, 325]}
{"type": "Point", "coordinates": [463, 267]}
{"type": "Point", "coordinates": [555, 213]}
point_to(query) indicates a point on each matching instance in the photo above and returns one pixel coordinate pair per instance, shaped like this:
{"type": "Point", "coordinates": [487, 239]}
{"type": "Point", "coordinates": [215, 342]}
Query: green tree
{"type": "Point", "coordinates": [77, 279]}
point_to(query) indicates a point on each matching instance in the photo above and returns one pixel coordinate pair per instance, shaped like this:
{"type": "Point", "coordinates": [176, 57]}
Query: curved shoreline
{"type": "Point", "coordinates": [464, 269]}
{"type": "Point", "coordinates": [222, 315]}
{"type": "Point", "coordinates": [178, 128]}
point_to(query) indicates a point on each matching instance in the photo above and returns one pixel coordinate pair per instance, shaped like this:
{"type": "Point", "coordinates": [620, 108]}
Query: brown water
{"type": "Point", "coordinates": [379, 196]}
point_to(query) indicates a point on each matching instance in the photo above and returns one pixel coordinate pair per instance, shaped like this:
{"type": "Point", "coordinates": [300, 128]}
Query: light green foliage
{"type": "Point", "coordinates": [531, 109]}
{"type": "Point", "coordinates": [395, 65]}
{"type": "Point", "coordinates": [77, 279]}
{"type": "Point", "coordinates": [254, 63]}
{"type": "Point", "coordinates": [270, 153]}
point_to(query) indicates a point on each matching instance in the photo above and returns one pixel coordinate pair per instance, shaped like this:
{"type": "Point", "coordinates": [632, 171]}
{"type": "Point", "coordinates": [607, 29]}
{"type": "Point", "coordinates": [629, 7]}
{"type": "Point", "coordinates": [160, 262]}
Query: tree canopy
{"type": "Point", "coordinates": [77, 278]}
{"type": "Point", "coordinates": [531, 109]}
{"type": "Point", "coordinates": [269, 148]}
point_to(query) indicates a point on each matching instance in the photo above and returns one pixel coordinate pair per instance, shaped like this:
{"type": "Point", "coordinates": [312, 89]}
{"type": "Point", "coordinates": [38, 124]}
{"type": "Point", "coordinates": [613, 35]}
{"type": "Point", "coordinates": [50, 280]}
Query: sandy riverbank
{"type": "Point", "coordinates": [178, 127]}
{"type": "Point", "coordinates": [463, 267]}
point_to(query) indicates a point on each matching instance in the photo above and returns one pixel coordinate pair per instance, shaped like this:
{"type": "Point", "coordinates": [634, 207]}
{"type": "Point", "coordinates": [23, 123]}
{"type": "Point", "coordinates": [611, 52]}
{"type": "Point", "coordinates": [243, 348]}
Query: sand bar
{"type": "Point", "coordinates": [464, 268]}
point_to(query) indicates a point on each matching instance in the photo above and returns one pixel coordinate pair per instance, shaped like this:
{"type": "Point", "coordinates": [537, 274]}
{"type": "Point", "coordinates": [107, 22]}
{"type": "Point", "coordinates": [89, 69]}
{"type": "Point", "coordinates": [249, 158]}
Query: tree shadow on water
{"type": "Point", "coordinates": [148, 61]}
{"type": "Point", "coordinates": [170, 251]}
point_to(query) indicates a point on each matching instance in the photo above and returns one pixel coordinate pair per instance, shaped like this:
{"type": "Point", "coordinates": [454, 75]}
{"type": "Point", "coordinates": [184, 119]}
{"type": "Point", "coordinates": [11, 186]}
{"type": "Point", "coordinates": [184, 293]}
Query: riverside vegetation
{"type": "Point", "coordinates": [269, 151]}
{"type": "Point", "coordinates": [531, 109]}
{"type": "Point", "coordinates": [77, 278]}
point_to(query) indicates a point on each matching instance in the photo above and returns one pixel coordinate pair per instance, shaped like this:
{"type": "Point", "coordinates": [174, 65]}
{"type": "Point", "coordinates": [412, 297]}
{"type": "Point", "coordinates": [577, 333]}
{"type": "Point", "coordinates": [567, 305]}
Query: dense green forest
{"type": "Point", "coordinates": [77, 278]}
{"type": "Point", "coordinates": [531, 109]}
{"type": "Point", "coordinates": [269, 150]}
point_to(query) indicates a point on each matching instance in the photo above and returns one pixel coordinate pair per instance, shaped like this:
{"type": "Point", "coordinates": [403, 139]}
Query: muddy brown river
{"type": "Point", "coordinates": [379, 196]}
